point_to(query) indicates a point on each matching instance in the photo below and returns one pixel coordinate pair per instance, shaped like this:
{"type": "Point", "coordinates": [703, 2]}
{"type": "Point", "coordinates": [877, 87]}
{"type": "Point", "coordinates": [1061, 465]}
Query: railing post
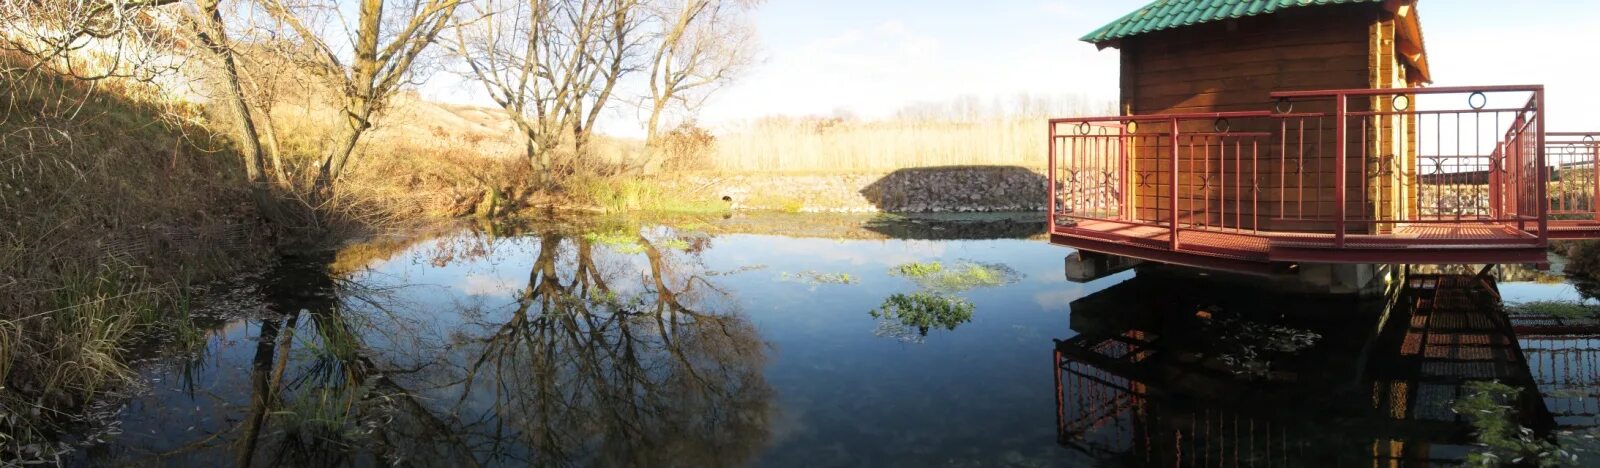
{"type": "Point", "coordinates": [1496, 204]}
{"type": "Point", "coordinates": [1543, 176]}
{"type": "Point", "coordinates": [1172, 186]}
{"type": "Point", "coordinates": [1123, 204]}
{"type": "Point", "coordinates": [1339, 166]}
{"type": "Point", "coordinates": [1050, 190]}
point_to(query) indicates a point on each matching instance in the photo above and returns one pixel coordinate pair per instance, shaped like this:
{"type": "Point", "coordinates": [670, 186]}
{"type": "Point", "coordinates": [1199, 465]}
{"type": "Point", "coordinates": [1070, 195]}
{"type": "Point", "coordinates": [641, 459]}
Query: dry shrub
{"type": "Point", "coordinates": [687, 147]}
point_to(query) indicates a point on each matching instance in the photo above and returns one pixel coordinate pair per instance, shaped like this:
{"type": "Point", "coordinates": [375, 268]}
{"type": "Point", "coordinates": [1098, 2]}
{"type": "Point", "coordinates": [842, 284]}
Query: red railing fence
{"type": "Point", "coordinates": [1326, 165]}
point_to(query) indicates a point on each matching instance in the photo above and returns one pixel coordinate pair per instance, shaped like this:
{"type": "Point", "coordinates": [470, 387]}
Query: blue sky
{"type": "Point", "coordinates": [869, 58]}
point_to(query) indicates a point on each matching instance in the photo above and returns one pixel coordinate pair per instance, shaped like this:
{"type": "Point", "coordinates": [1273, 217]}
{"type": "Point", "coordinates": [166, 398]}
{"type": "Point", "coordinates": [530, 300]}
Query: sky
{"type": "Point", "coordinates": [868, 58]}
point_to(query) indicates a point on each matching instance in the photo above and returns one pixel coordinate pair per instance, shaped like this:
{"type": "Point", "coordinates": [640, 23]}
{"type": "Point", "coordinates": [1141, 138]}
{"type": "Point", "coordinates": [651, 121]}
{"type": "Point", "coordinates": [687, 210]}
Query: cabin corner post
{"type": "Point", "coordinates": [1594, 163]}
{"type": "Point", "coordinates": [1050, 175]}
{"type": "Point", "coordinates": [1543, 174]}
{"type": "Point", "coordinates": [1339, 147]}
{"type": "Point", "coordinates": [1172, 187]}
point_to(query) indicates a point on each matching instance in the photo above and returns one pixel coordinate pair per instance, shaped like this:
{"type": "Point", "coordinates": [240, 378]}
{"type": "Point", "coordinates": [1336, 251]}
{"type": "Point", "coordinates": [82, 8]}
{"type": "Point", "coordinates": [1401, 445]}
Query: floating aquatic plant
{"type": "Point", "coordinates": [813, 277]}
{"type": "Point", "coordinates": [963, 276]}
{"type": "Point", "coordinates": [622, 242]}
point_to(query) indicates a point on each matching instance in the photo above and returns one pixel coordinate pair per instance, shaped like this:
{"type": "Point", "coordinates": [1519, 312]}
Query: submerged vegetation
{"type": "Point", "coordinates": [1488, 406]}
{"type": "Point", "coordinates": [1556, 309]}
{"type": "Point", "coordinates": [814, 278]}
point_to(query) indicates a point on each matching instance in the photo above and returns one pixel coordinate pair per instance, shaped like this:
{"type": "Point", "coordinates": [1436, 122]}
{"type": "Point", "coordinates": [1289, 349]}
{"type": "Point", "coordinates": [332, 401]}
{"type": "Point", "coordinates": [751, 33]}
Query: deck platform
{"type": "Point", "coordinates": [1274, 252]}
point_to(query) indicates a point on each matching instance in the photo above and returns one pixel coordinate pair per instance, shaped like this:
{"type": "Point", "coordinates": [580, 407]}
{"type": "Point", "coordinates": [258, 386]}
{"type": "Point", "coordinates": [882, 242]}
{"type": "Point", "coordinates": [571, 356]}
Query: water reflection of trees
{"type": "Point", "coordinates": [602, 358]}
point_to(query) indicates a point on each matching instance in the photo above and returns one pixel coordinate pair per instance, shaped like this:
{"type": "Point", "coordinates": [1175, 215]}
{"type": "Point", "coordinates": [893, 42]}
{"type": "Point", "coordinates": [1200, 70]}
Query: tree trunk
{"type": "Point", "coordinates": [333, 164]}
{"type": "Point", "coordinates": [271, 135]}
{"type": "Point", "coordinates": [218, 43]}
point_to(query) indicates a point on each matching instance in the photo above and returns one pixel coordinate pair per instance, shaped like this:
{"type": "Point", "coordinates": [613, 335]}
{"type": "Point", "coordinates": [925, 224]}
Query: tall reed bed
{"type": "Point", "coordinates": [829, 145]}
{"type": "Point", "coordinates": [964, 131]}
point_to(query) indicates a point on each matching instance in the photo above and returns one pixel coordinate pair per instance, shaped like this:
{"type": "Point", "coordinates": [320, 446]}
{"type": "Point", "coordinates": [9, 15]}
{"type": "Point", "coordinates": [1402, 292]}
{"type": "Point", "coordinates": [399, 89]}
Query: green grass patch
{"type": "Point", "coordinates": [615, 195]}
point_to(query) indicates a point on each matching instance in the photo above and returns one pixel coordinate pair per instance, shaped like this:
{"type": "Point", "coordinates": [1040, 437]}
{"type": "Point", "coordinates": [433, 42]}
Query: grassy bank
{"type": "Point", "coordinates": [112, 203]}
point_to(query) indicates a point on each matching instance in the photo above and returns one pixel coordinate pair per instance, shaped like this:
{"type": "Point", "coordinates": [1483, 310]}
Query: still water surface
{"type": "Point", "coordinates": [704, 342]}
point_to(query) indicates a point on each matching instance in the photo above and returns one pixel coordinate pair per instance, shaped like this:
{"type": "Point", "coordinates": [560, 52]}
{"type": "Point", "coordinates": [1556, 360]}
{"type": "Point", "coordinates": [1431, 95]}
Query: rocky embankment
{"type": "Point", "coordinates": [923, 190]}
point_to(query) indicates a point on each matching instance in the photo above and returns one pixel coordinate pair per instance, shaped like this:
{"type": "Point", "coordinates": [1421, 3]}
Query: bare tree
{"type": "Point", "coordinates": [212, 33]}
{"type": "Point", "coordinates": [385, 43]}
{"type": "Point", "coordinates": [89, 39]}
{"type": "Point", "coordinates": [552, 65]}
{"type": "Point", "coordinates": [701, 45]}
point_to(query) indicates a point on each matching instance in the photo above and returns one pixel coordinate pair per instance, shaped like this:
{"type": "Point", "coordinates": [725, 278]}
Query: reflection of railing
{"type": "Point", "coordinates": [1108, 414]}
{"type": "Point", "coordinates": [1563, 355]}
{"type": "Point", "coordinates": [1320, 167]}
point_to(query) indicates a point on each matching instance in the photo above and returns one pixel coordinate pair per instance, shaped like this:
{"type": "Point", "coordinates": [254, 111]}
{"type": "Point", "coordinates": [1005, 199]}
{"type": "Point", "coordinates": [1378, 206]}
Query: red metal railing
{"type": "Point", "coordinates": [1574, 177]}
{"type": "Point", "coordinates": [1323, 166]}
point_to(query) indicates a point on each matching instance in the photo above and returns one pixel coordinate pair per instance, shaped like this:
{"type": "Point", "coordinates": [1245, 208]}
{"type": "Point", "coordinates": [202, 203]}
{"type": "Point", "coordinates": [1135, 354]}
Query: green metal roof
{"type": "Point", "coordinates": [1169, 14]}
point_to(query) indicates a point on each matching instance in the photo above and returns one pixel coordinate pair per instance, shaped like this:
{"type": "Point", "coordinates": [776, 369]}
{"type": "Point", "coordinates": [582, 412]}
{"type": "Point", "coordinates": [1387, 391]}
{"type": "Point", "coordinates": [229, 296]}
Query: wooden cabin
{"type": "Point", "coordinates": [1211, 56]}
{"type": "Point", "coordinates": [1287, 137]}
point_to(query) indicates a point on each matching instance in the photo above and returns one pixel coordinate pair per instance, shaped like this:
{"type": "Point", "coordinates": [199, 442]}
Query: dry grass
{"type": "Point", "coordinates": [111, 203]}
{"type": "Point", "coordinates": [831, 146]}
{"type": "Point", "coordinates": [964, 131]}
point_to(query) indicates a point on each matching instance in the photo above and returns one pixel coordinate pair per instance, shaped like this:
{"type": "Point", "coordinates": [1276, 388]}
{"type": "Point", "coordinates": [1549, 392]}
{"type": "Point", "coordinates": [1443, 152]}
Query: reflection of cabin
{"type": "Point", "coordinates": [1156, 375]}
{"type": "Point", "coordinates": [1204, 56]}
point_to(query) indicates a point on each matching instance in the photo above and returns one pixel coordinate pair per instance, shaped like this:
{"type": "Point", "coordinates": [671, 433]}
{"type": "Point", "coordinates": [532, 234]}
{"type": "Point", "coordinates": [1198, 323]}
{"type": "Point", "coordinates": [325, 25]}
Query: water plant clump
{"type": "Point", "coordinates": [619, 241]}
{"type": "Point", "coordinates": [919, 269]}
{"type": "Point", "coordinates": [1248, 348]}
{"type": "Point", "coordinates": [1557, 309]}
{"type": "Point", "coordinates": [1500, 439]}
{"type": "Point", "coordinates": [963, 276]}
{"type": "Point", "coordinates": [909, 317]}
{"type": "Point", "coordinates": [814, 278]}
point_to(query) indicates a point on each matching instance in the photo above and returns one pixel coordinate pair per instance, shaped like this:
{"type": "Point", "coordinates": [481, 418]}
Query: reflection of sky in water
{"type": "Point", "coordinates": [844, 395]}
{"type": "Point", "coordinates": [1513, 293]}
{"type": "Point", "coordinates": [840, 388]}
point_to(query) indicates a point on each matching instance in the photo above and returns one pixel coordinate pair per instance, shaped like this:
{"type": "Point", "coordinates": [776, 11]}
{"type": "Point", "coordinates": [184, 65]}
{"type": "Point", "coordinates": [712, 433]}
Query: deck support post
{"type": "Point", "coordinates": [1482, 279]}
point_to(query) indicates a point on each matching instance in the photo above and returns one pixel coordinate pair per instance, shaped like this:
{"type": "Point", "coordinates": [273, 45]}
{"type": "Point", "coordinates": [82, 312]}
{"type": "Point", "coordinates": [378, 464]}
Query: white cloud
{"type": "Point", "coordinates": [484, 285]}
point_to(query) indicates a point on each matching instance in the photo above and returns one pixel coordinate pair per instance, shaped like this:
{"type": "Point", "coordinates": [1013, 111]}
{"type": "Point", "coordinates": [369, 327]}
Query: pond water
{"type": "Point", "coordinates": [842, 341]}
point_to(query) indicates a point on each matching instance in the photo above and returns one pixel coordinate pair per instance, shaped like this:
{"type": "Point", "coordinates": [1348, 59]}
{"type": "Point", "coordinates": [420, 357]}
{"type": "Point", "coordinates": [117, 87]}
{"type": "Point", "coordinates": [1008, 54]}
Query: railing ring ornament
{"type": "Point", "coordinates": [1401, 102]}
{"type": "Point", "coordinates": [1133, 127]}
{"type": "Point", "coordinates": [1588, 139]}
{"type": "Point", "coordinates": [1283, 106]}
{"type": "Point", "coordinates": [1222, 125]}
{"type": "Point", "coordinates": [1477, 100]}
{"type": "Point", "coordinates": [1083, 128]}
